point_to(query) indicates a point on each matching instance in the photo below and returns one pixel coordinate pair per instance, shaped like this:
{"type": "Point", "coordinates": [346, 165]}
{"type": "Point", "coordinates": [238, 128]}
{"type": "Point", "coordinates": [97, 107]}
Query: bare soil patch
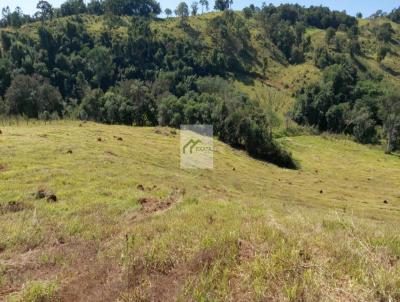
{"type": "Point", "coordinates": [12, 207]}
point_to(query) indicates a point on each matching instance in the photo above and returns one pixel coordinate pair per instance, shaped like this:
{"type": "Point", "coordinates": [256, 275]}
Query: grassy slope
{"type": "Point", "coordinates": [243, 231]}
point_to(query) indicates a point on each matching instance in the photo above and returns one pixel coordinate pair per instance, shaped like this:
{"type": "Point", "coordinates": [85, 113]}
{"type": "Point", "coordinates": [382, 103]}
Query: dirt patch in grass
{"type": "Point", "coordinates": [3, 167]}
{"type": "Point", "coordinates": [110, 153]}
{"type": "Point", "coordinates": [165, 132]}
{"type": "Point", "coordinates": [151, 205]}
{"type": "Point", "coordinates": [246, 251]}
{"type": "Point", "coordinates": [13, 207]}
{"type": "Point", "coordinates": [92, 279]}
{"type": "Point", "coordinates": [86, 277]}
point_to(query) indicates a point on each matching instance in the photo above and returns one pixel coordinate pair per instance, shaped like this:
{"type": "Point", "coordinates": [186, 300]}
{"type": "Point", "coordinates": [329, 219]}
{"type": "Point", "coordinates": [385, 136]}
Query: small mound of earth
{"type": "Point", "coordinates": [153, 204]}
{"type": "Point", "coordinates": [140, 187]}
{"type": "Point", "coordinates": [12, 207]}
{"type": "Point", "coordinates": [43, 193]}
{"type": "Point", "coordinates": [165, 132]}
{"type": "Point", "coordinates": [3, 167]}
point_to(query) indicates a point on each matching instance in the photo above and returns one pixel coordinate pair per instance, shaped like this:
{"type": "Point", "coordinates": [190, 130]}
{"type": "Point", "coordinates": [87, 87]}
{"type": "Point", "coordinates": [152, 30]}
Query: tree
{"type": "Point", "coordinates": [182, 11]}
{"type": "Point", "coordinates": [6, 13]}
{"type": "Point", "coordinates": [168, 12]}
{"type": "Point", "coordinates": [395, 15]}
{"type": "Point", "coordinates": [390, 115]}
{"type": "Point", "coordinates": [46, 10]}
{"type": "Point", "coordinates": [140, 101]}
{"type": "Point", "coordinates": [384, 32]}
{"type": "Point", "coordinates": [382, 53]}
{"type": "Point", "coordinates": [143, 8]}
{"type": "Point", "coordinates": [359, 15]}
{"type": "Point", "coordinates": [73, 7]}
{"type": "Point", "coordinates": [32, 96]}
{"type": "Point", "coordinates": [329, 35]}
{"type": "Point", "coordinates": [362, 124]}
{"type": "Point", "coordinates": [247, 12]}
{"type": "Point", "coordinates": [195, 8]}
{"type": "Point", "coordinates": [354, 47]}
{"type": "Point", "coordinates": [223, 4]}
{"type": "Point", "coordinates": [204, 3]}
{"type": "Point", "coordinates": [100, 63]}
{"type": "Point", "coordinates": [95, 7]}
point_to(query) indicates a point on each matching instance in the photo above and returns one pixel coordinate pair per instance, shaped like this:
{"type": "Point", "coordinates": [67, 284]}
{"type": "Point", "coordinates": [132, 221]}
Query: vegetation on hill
{"type": "Point", "coordinates": [114, 62]}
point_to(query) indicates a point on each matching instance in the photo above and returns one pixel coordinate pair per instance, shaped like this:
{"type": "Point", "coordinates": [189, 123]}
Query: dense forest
{"type": "Point", "coordinates": [108, 62]}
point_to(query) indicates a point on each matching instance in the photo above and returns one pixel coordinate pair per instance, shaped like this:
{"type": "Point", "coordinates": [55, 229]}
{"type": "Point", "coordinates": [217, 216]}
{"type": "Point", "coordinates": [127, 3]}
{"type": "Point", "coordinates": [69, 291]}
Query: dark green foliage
{"type": "Point", "coordinates": [247, 12]}
{"type": "Point", "coordinates": [382, 53]}
{"type": "Point", "coordinates": [96, 7]}
{"type": "Point", "coordinates": [329, 35]}
{"type": "Point", "coordinates": [101, 66]}
{"type": "Point", "coordinates": [354, 47]}
{"type": "Point", "coordinates": [395, 15]}
{"type": "Point", "coordinates": [336, 117]}
{"type": "Point", "coordinates": [390, 115]}
{"type": "Point", "coordinates": [284, 37]}
{"type": "Point", "coordinates": [5, 71]}
{"type": "Point", "coordinates": [203, 3]}
{"type": "Point", "coordinates": [140, 106]}
{"type": "Point", "coordinates": [182, 11]}
{"type": "Point", "coordinates": [223, 4]}
{"type": "Point", "coordinates": [168, 12]}
{"type": "Point", "coordinates": [384, 32]}
{"type": "Point", "coordinates": [132, 7]}
{"type": "Point", "coordinates": [46, 10]}
{"type": "Point", "coordinates": [316, 16]}
{"type": "Point", "coordinates": [15, 19]}
{"type": "Point", "coordinates": [6, 41]}
{"type": "Point", "coordinates": [231, 37]}
{"type": "Point", "coordinates": [73, 7]}
{"type": "Point", "coordinates": [323, 58]}
{"type": "Point", "coordinates": [316, 100]}
{"type": "Point", "coordinates": [341, 103]}
{"type": "Point", "coordinates": [32, 96]}
{"type": "Point", "coordinates": [362, 124]}
{"type": "Point", "coordinates": [195, 8]}
{"type": "Point", "coordinates": [237, 120]}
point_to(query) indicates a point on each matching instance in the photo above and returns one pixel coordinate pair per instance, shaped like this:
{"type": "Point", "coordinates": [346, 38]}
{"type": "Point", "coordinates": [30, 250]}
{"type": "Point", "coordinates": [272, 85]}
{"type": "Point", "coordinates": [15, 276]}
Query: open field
{"type": "Point", "coordinates": [130, 225]}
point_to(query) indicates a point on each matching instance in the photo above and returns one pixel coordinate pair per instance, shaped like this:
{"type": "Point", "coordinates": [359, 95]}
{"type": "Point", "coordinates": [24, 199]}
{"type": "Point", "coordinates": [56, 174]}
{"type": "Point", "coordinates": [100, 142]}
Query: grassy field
{"type": "Point", "coordinates": [130, 225]}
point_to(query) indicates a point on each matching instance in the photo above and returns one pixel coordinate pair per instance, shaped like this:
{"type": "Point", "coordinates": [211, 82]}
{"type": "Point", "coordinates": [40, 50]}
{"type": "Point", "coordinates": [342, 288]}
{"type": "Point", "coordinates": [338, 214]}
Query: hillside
{"type": "Point", "coordinates": [281, 58]}
{"type": "Point", "coordinates": [129, 223]}
{"type": "Point", "coordinates": [282, 80]}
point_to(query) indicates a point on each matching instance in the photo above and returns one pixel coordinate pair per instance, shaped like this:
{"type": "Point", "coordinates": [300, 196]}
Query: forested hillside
{"type": "Point", "coordinates": [262, 72]}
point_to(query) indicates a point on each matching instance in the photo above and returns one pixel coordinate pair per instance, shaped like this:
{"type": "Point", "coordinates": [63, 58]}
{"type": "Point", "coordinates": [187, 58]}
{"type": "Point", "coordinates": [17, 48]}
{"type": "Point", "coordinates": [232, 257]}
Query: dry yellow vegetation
{"type": "Point", "coordinates": [130, 225]}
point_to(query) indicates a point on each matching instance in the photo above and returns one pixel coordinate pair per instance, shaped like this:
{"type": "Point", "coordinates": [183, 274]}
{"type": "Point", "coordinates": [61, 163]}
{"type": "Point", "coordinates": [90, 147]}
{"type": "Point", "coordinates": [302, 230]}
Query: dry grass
{"type": "Point", "coordinates": [245, 231]}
